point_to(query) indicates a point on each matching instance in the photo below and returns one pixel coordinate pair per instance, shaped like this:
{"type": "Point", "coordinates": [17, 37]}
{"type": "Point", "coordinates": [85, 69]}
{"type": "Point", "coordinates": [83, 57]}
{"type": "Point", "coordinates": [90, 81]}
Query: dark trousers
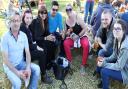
{"type": "Point", "coordinates": [106, 74]}
{"type": "Point", "coordinates": [50, 51]}
{"type": "Point", "coordinates": [40, 56]}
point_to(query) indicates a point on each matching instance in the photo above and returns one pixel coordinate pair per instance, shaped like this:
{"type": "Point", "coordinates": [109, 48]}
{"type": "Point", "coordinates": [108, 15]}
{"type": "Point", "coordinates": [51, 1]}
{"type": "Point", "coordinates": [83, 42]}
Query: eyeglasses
{"type": "Point", "coordinates": [14, 21]}
{"type": "Point", "coordinates": [54, 9]}
{"type": "Point", "coordinates": [117, 29]}
{"type": "Point", "coordinates": [69, 10]}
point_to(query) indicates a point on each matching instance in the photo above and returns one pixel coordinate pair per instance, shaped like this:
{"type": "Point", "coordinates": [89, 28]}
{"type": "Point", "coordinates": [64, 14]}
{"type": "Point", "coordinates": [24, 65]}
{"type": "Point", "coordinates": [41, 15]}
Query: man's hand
{"type": "Point", "coordinates": [100, 61]}
{"type": "Point", "coordinates": [22, 75]}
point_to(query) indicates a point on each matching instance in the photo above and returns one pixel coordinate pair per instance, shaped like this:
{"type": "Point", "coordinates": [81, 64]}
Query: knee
{"type": "Point", "coordinates": [103, 71]}
{"type": "Point", "coordinates": [101, 52]}
{"type": "Point", "coordinates": [36, 70]}
{"type": "Point", "coordinates": [66, 43]}
{"type": "Point", "coordinates": [17, 83]}
{"type": "Point", "coordinates": [85, 44]}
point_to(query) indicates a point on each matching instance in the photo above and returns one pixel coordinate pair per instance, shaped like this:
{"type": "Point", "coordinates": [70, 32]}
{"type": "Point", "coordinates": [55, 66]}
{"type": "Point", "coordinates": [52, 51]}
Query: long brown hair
{"type": "Point", "coordinates": [43, 9]}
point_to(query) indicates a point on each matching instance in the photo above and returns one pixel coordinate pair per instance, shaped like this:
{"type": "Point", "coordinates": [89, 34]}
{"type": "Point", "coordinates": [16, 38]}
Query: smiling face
{"type": "Point", "coordinates": [28, 18]}
{"type": "Point", "coordinates": [69, 10]}
{"type": "Point", "coordinates": [54, 10]}
{"type": "Point", "coordinates": [43, 14]}
{"type": "Point", "coordinates": [118, 31]}
{"type": "Point", "coordinates": [15, 22]}
{"type": "Point", "coordinates": [106, 19]}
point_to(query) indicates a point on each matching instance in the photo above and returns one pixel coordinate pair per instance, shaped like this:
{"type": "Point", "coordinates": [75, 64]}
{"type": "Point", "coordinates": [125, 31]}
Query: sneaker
{"type": "Point", "coordinates": [82, 70]}
{"type": "Point", "coordinates": [46, 79]}
{"type": "Point", "coordinates": [100, 85]}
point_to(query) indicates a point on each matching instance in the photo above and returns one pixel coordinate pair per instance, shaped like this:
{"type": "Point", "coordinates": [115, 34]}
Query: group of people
{"type": "Point", "coordinates": [29, 39]}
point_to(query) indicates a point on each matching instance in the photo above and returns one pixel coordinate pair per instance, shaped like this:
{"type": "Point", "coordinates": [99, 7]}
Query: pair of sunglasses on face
{"type": "Point", "coordinates": [43, 12]}
{"type": "Point", "coordinates": [54, 9]}
{"type": "Point", "coordinates": [69, 10]}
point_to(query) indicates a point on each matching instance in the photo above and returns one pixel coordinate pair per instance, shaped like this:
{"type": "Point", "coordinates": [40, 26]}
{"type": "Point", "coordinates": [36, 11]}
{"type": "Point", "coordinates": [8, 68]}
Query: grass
{"type": "Point", "coordinates": [75, 81]}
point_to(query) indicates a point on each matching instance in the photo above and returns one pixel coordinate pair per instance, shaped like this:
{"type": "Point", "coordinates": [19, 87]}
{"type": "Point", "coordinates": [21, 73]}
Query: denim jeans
{"type": "Point", "coordinates": [103, 53]}
{"type": "Point", "coordinates": [108, 73]}
{"type": "Point", "coordinates": [16, 81]}
{"type": "Point", "coordinates": [88, 10]}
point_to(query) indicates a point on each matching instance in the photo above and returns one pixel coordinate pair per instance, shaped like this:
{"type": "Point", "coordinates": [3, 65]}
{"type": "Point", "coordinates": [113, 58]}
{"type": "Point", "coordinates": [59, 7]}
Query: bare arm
{"type": "Point", "coordinates": [83, 25]}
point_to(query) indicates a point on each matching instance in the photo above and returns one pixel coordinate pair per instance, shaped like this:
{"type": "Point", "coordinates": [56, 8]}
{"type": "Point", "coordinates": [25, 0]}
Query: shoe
{"type": "Point", "coordinates": [46, 79]}
{"type": "Point", "coordinates": [100, 85]}
{"type": "Point", "coordinates": [82, 70]}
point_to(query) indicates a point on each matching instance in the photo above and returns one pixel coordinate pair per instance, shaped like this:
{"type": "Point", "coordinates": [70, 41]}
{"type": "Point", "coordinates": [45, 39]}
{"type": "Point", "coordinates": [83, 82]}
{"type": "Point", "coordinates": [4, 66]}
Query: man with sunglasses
{"type": "Point", "coordinates": [55, 24]}
{"type": "Point", "coordinates": [55, 18]}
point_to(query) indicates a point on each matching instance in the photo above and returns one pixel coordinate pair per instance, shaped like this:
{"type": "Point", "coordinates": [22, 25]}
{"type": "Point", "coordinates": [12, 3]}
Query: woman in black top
{"type": "Point", "coordinates": [37, 53]}
{"type": "Point", "coordinates": [75, 36]}
{"type": "Point", "coordinates": [41, 35]}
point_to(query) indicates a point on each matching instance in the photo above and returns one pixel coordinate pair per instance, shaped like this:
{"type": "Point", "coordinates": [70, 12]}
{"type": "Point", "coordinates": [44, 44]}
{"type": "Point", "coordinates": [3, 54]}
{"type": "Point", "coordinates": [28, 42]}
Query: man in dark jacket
{"type": "Point", "coordinates": [96, 17]}
{"type": "Point", "coordinates": [104, 36]}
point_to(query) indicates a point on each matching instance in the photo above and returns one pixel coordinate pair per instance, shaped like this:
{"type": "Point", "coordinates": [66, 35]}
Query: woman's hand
{"type": "Point", "coordinates": [39, 48]}
{"type": "Point", "coordinates": [51, 37]}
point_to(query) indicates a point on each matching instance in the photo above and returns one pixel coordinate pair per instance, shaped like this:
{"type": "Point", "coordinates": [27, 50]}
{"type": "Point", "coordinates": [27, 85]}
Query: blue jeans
{"type": "Point", "coordinates": [108, 73]}
{"type": "Point", "coordinates": [103, 53]}
{"type": "Point", "coordinates": [88, 11]}
{"type": "Point", "coordinates": [16, 81]}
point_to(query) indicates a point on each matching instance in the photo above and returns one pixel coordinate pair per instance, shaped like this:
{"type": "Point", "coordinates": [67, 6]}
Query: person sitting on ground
{"type": "Point", "coordinates": [116, 66]}
{"type": "Point", "coordinates": [37, 53]}
{"type": "Point", "coordinates": [104, 36]}
{"type": "Point", "coordinates": [13, 45]}
{"type": "Point", "coordinates": [44, 39]}
{"type": "Point", "coordinates": [75, 31]}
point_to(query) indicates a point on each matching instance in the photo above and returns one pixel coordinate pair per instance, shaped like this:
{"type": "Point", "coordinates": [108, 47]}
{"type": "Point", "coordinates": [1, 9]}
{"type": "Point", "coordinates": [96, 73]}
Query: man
{"type": "Point", "coordinates": [96, 17]}
{"type": "Point", "coordinates": [55, 23]}
{"type": "Point", "coordinates": [104, 36]}
{"type": "Point", "coordinates": [13, 45]}
{"type": "Point", "coordinates": [55, 18]}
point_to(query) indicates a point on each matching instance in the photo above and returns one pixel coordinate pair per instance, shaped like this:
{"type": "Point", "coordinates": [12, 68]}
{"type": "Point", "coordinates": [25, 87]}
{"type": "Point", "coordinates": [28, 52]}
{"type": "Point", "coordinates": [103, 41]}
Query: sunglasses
{"type": "Point", "coordinates": [117, 29]}
{"type": "Point", "coordinates": [54, 9]}
{"type": "Point", "coordinates": [43, 12]}
{"type": "Point", "coordinates": [69, 10]}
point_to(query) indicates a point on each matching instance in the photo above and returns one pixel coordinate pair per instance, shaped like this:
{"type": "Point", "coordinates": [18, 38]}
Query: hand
{"type": "Point", "coordinates": [51, 37]}
{"type": "Point", "coordinates": [75, 37]}
{"type": "Point", "coordinates": [99, 63]}
{"type": "Point", "coordinates": [28, 72]}
{"type": "Point", "coordinates": [39, 48]}
{"type": "Point", "coordinates": [99, 40]}
{"type": "Point", "coordinates": [22, 75]}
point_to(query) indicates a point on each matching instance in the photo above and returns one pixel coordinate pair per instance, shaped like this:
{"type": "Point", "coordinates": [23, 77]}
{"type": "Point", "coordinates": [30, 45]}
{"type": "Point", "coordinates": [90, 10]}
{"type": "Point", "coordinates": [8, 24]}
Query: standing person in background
{"type": "Point", "coordinates": [88, 10]}
{"type": "Point", "coordinates": [37, 53]}
{"type": "Point", "coordinates": [13, 45]}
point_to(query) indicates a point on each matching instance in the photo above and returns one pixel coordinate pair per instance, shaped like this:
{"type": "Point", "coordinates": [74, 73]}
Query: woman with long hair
{"type": "Point", "coordinates": [116, 66]}
{"type": "Point", "coordinates": [43, 38]}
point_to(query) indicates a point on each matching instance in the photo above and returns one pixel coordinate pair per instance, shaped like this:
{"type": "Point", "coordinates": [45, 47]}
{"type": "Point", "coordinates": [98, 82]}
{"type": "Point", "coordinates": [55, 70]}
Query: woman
{"type": "Point", "coordinates": [41, 35]}
{"type": "Point", "coordinates": [37, 53]}
{"type": "Point", "coordinates": [116, 66]}
{"type": "Point", "coordinates": [75, 30]}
